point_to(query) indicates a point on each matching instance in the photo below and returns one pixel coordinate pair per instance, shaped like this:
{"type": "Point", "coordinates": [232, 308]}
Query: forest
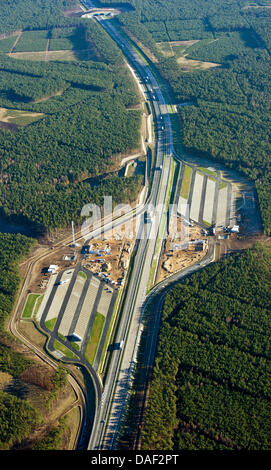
{"type": "Point", "coordinates": [34, 14]}
{"type": "Point", "coordinates": [18, 416]}
{"type": "Point", "coordinates": [230, 116]}
{"type": "Point", "coordinates": [210, 388]}
{"type": "Point", "coordinates": [89, 119]}
{"type": "Point", "coordinates": [70, 157]}
{"type": "Point", "coordinates": [211, 383]}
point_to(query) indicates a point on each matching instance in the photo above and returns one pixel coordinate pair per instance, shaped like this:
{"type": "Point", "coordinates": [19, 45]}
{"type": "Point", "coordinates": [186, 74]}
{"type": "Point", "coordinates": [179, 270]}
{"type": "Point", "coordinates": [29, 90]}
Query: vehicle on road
{"type": "Point", "coordinates": [62, 282]}
{"type": "Point", "coordinates": [148, 216]}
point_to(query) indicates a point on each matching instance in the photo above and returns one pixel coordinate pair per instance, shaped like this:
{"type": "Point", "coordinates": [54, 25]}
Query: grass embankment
{"type": "Point", "coordinates": [162, 225]}
{"type": "Point", "coordinates": [186, 182]}
{"type": "Point", "coordinates": [110, 331]}
{"type": "Point", "coordinates": [66, 352]}
{"type": "Point", "coordinates": [32, 305]}
{"type": "Point", "coordinates": [94, 337]}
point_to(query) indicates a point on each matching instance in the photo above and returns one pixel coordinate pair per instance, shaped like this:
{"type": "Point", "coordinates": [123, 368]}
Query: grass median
{"type": "Point", "coordinates": [94, 338]}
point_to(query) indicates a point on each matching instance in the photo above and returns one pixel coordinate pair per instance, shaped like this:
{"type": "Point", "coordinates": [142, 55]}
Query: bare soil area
{"type": "Point", "coordinates": [15, 117]}
{"type": "Point", "coordinates": [236, 243]}
{"type": "Point", "coordinates": [188, 64]}
{"type": "Point", "coordinates": [181, 251]}
{"type": "Point", "coordinates": [115, 263]}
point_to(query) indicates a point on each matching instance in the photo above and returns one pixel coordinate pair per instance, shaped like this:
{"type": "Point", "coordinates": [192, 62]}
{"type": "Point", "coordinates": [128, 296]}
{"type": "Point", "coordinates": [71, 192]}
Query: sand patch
{"type": "Point", "coordinates": [189, 64]}
{"type": "Point", "coordinates": [5, 379]}
{"type": "Point", "coordinates": [255, 6]}
{"type": "Point", "coordinates": [185, 43]}
{"type": "Point", "coordinates": [18, 117]}
{"type": "Point", "coordinates": [51, 55]}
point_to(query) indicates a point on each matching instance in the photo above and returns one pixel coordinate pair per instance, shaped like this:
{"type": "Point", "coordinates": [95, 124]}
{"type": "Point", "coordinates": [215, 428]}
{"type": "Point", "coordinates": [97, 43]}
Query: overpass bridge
{"type": "Point", "coordinates": [93, 12]}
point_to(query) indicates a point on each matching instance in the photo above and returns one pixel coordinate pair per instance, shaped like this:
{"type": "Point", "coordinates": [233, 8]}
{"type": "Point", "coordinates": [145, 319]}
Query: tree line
{"type": "Point", "coordinates": [50, 169]}
{"type": "Point", "coordinates": [18, 416]}
{"type": "Point", "coordinates": [34, 14]}
{"type": "Point", "coordinates": [230, 118]}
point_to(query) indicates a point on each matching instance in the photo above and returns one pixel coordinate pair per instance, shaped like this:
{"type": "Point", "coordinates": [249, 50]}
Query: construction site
{"type": "Point", "coordinates": [185, 245]}
{"type": "Point", "coordinates": [108, 259]}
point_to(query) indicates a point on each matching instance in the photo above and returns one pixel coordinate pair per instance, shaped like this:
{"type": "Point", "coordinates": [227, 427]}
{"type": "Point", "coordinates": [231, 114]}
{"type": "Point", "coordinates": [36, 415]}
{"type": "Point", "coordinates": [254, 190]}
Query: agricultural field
{"type": "Point", "coordinates": [46, 393]}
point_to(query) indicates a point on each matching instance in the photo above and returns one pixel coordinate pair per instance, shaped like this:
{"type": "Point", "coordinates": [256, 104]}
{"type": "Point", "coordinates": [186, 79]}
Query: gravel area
{"type": "Point", "coordinates": [71, 306]}
{"type": "Point", "coordinates": [209, 201]}
{"type": "Point", "coordinates": [222, 206]}
{"type": "Point", "coordinates": [196, 198]}
{"type": "Point", "coordinates": [59, 295]}
{"type": "Point", "coordinates": [87, 307]}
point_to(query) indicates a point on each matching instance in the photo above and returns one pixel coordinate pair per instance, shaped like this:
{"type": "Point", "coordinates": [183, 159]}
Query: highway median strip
{"type": "Point", "coordinates": [94, 337]}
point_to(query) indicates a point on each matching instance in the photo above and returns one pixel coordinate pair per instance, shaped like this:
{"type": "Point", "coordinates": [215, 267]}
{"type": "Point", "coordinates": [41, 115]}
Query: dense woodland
{"type": "Point", "coordinates": [18, 417]}
{"type": "Point", "coordinates": [33, 14]}
{"type": "Point", "coordinates": [230, 116]}
{"type": "Point", "coordinates": [50, 169]}
{"type": "Point", "coordinates": [211, 382]}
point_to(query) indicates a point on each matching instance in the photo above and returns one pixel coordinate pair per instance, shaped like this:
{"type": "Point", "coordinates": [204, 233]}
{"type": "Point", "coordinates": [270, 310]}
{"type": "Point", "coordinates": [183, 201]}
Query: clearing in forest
{"type": "Point", "coordinates": [179, 50]}
{"type": "Point", "coordinates": [18, 117]}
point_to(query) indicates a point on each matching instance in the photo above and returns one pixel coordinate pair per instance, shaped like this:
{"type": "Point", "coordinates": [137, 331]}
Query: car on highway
{"type": "Point", "coordinates": [59, 283]}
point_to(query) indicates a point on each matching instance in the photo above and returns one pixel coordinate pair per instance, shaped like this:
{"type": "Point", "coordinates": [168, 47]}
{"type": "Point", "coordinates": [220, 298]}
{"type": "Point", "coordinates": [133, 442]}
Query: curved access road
{"type": "Point", "coordinates": [116, 391]}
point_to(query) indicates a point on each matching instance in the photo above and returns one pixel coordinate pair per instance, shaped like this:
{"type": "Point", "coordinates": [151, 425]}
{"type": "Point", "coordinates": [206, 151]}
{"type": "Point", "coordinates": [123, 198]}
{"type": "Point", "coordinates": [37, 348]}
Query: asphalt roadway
{"type": "Point", "coordinates": [110, 411]}
{"type": "Point", "coordinates": [110, 405]}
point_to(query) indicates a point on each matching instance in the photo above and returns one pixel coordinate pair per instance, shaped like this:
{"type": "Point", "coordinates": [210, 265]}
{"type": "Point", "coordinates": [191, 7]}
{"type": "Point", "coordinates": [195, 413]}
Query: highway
{"type": "Point", "coordinates": [111, 400]}
{"type": "Point", "coordinates": [109, 412]}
